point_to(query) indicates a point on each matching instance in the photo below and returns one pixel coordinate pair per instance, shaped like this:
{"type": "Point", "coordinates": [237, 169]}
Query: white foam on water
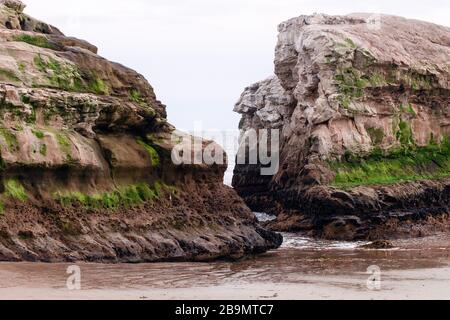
{"type": "Point", "coordinates": [264, 217]}
{"type": "Point", "coordinates": [301, 241]}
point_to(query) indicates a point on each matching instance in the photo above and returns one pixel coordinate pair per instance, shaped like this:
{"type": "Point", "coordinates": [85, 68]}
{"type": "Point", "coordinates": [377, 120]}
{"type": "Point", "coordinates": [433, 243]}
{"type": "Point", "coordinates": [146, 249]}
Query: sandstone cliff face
{"type": "Point", "coordinates": [364, 114]}
{"type": "Point", "coordinates": [86, 170]}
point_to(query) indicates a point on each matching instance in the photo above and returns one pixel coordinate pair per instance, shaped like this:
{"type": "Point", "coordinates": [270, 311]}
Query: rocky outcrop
{"type": "Point", "coordinates": [86, 170]}
{"type": "Point", "coordinates": [362, 104]}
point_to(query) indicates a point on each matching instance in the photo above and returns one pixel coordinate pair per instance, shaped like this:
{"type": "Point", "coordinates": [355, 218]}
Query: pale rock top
{"type": "Point", "coordinates": [352, 84]}
{"type": "Point", "coordinates": [17, 5]}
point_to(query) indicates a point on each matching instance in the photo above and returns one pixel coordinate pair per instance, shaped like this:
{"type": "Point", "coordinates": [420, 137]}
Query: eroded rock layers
{"type": "Point", "coordinates": [362, 104]}
{"type": "Point", "coordinates": [86, 170]}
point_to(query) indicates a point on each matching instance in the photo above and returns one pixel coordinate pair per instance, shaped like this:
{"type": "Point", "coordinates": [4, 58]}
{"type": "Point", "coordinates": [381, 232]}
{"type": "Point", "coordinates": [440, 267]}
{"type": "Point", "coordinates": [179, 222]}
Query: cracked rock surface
{"type": "Point", "coordinates": [85, 162]}
{"type": "Point", "coordinates": [362, 104]}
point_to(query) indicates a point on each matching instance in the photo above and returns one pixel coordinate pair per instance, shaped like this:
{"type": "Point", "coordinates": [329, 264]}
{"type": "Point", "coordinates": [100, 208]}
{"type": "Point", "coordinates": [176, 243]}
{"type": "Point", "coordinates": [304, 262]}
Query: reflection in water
{"type": "Point", "coordinates": [298, 257]}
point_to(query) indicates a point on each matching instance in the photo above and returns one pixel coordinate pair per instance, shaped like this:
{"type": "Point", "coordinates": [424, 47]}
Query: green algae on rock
{"type": "Point", "coordinates": [80, 180]}
{"type": "Point", "coordinates": [364, 114]}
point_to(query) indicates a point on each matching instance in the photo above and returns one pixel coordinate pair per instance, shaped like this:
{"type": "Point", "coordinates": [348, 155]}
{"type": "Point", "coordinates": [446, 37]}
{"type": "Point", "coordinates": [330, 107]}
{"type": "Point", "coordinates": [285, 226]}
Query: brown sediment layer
{"type": "Point", "coordinates": [376, 212]}
{"type": "Point", "coordinates": [193, 226]}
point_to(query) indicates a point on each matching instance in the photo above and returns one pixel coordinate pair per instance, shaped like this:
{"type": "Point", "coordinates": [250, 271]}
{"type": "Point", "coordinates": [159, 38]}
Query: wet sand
{"type": "Point", "coordinates": [302, 269]}
{"type": "Point", "coordinates": [419, 284]}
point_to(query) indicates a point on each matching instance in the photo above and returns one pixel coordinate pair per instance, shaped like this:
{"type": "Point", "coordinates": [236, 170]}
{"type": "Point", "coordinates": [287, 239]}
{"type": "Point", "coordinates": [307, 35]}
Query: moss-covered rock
{"type": "Point", "coordinates": [79, 178]}
{"type": "Point", "coordinates": [364, 119]}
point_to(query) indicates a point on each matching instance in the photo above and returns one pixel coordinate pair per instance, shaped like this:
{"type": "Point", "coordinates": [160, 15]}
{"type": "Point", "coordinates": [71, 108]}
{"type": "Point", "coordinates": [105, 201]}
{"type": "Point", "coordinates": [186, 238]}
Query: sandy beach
{"type": "Point", "coordinates": [417, 284]}
{"type": "Point", "coordinates": [302, 269]}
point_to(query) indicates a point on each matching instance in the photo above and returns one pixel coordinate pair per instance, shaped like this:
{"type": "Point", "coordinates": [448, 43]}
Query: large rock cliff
{"type": "Point", "coordinates": [363, 105]}
{"type": "Point", "coordinates": [86, 170]}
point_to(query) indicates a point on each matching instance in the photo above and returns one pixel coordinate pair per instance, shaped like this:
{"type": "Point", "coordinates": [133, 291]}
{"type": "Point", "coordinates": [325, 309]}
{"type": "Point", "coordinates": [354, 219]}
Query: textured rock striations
{"type": "Point", "coordinates": [86, 170]}
{"type": "Point", "coordinates": [363, 105]}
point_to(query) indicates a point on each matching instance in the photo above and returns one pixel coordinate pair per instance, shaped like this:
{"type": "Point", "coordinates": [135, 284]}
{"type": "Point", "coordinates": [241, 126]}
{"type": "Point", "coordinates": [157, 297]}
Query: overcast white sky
{"type": "Point", "coordinates": [199, 55]}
